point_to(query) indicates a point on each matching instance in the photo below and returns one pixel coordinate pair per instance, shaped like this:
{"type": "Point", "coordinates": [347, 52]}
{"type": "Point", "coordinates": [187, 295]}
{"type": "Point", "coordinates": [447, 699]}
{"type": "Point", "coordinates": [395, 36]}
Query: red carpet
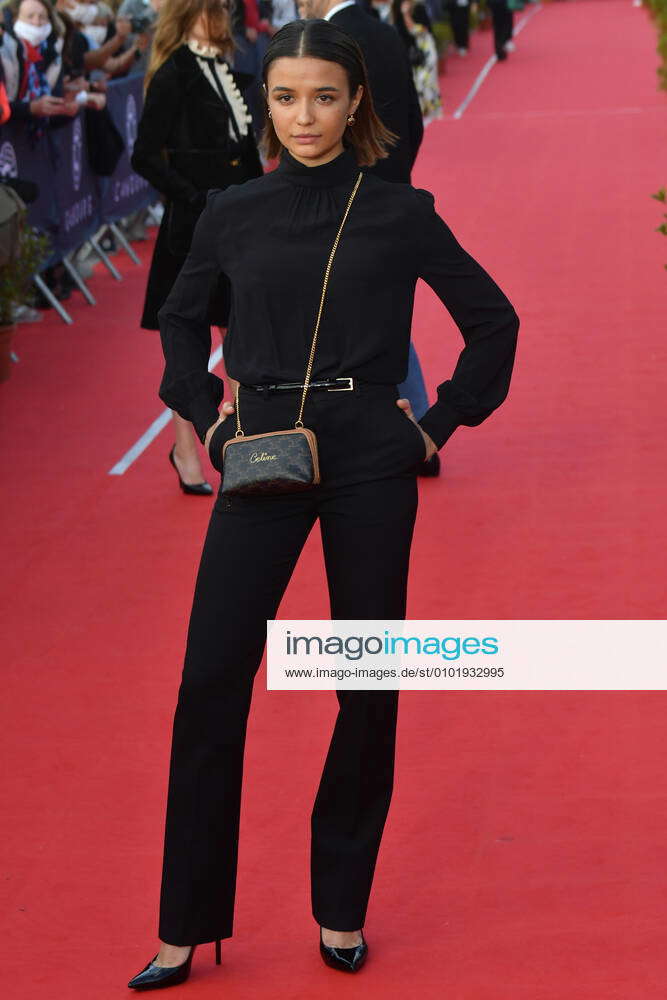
{"type": "Point", "coordinates": [524, 853]}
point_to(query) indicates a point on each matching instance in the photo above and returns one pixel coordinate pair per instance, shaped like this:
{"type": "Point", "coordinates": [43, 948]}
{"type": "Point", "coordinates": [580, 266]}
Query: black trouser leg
{"type": "Point", "coordinates": [508, 27]}
{"type": "Point", "coordinates": [366, 535]}
{"type": "Point", "coordinates": [248, 558]}
{"type": "Point", "coordinates": [459, 18]}
{"type": "Point", "coordinates": [502, 26]}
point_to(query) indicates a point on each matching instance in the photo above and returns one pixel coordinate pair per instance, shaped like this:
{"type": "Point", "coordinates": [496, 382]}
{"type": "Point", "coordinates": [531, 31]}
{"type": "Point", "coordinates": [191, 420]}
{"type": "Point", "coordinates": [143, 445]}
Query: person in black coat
{"type": "Point", "coordinates": [390, 77]}
{"type": "Point", "coordinates": [194, 134]}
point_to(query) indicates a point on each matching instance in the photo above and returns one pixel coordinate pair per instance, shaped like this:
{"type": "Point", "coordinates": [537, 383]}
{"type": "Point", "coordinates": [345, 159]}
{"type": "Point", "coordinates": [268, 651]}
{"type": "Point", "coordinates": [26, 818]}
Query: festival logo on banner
{"type": "Point", "coordinates": [8, 164]}
{"type": "Point", "coordinates": [77, 153]}
{"type": "Point", "coordinates": [130, 123]}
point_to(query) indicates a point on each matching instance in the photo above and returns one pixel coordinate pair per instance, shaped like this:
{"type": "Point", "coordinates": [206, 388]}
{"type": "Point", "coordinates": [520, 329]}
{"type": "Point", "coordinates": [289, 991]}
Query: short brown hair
{"type": "Point", "coordinates": [320, 39]}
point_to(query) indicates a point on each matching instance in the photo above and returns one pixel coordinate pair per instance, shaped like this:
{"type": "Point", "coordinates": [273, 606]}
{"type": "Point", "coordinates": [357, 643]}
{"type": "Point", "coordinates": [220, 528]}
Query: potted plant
{"type": "Point", "coordinates": [15, 278]}
{"type": "Point", "coordinates": [661, 195]}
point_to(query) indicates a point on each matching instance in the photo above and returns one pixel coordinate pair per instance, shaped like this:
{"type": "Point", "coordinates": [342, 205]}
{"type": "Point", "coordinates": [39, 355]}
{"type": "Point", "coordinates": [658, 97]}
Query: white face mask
{"type": "Point", "coordinates": [35, 34]}
{"type": "Point", "coordinates": [83, 13]}
{"type": "Point", "coordinates": [95, 34]}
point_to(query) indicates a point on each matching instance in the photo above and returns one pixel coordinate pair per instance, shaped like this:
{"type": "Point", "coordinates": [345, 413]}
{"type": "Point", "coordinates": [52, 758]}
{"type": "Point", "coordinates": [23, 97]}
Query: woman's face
{"type": "Point", "coordinates": [309, 100]}
{"type": "Point", "coordinates": [33, 12]}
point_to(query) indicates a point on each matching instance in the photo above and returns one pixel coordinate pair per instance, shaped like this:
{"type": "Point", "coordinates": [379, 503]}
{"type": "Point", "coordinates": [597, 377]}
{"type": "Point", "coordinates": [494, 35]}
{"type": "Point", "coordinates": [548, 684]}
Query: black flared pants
{"type": "Point", "coordinates": [250, 550]}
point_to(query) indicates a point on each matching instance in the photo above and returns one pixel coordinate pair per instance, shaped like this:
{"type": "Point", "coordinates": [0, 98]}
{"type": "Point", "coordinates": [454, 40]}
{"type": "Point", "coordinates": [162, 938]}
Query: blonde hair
{"type": "Point", "coordinates": [175, 21]}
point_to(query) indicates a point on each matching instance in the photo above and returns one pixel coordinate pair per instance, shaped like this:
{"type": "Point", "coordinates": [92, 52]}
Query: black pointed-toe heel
{"type": "Point", "coordinates": [156, 977]}
{"type": "Point", "coordinates": [198, 489]}
{"type": "Point", "coordinates": [345, 959]}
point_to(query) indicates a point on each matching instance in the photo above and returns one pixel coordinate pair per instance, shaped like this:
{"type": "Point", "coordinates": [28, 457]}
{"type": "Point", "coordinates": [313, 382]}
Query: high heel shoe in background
{"type": "Point", "coordinates": [155, 977]}
{"type": "Point", "coordinates": [199, 489]}
{"type": "Point", "coordinates": [345, 959]}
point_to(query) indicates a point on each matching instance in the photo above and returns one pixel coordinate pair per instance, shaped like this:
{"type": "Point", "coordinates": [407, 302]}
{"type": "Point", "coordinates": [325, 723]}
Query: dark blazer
{"type": "Point", "coordinates": [392, 88]}
{"type": "Point", "coordinates": [183, 149]}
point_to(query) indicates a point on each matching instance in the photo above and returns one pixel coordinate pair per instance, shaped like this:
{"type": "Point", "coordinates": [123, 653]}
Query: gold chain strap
{"type": "Point", "coordinates": [309, 366]}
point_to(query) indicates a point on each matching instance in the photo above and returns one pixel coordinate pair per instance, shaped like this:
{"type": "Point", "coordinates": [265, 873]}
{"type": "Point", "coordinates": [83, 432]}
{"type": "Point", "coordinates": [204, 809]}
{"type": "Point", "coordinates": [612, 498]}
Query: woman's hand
{"type": "Point", "coordinates": [227, 410]}
{"type": "Point", "coordinates": [96, 101]}
{"type": "Point", "coordinates": [431, 449]}
{"type": "Point", "coordinates": [45, 106]}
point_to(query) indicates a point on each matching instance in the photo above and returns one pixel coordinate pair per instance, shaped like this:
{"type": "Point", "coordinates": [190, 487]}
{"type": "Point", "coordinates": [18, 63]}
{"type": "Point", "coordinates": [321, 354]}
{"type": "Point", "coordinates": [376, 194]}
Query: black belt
{"type": "Point", "coordinates": [331, 384]}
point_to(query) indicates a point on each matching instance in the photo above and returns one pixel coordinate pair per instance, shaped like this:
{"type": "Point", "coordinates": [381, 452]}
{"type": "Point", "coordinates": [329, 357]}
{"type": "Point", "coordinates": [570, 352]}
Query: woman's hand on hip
{"type": "Point", "coordinates": [227, 410]}
{"type": "Point", "coordinates": [431, 448]}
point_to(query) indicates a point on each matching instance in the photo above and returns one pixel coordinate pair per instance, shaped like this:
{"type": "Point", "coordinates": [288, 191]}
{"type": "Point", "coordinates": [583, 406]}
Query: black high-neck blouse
{"type": "Point", "coordinates": [272, 236]}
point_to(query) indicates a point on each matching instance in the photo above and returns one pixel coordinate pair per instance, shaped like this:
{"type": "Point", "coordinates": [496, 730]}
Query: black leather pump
{"type": "Point", "coordinates": [198, 489]}
{"type": "Point", "coordinates": [156, 977]}
{"type": "Point", "coordinates": [345, 959]}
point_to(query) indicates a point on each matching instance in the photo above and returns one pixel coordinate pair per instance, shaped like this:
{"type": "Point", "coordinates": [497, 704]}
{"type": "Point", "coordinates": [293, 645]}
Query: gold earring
{"type": "Point", "coordinates": [351, 119]}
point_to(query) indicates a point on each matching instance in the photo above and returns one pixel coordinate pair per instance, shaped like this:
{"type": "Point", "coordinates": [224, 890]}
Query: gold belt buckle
{"type": "Point", "coordinates": [348, 388]}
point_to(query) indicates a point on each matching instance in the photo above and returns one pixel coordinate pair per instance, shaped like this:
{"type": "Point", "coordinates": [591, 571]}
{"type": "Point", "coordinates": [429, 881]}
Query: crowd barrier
{"type": "Point", "coordinates": [74, 202]}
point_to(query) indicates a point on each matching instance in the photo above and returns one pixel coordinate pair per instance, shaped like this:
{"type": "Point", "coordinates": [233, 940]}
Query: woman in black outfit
{"type": "Point", "coordinates": [502, 17]}
{"type": "Point", "coordinates": [272, 237]}
{"type": "Point", "coordinates": [194, 134]}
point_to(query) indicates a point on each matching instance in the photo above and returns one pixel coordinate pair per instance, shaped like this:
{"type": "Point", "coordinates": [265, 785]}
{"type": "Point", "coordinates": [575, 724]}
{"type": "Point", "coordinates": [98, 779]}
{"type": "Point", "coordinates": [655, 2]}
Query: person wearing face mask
{"type": "Point", "coordinates": [97, 51]}
{"type": "Point", "coordinates": [195, 133]}
{"type": "Point", "coordinates": [38, 72]}
{"type": "Point", "coordinates": [75, 83]}
{"type": "Point", "coordinates": [97, 29]}
{"type": "Point", "coordinates": [92, 20]}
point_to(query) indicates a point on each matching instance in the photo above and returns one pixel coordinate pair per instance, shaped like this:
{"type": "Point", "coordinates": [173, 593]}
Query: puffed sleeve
{"type": "Point", "coordinates": [187, 385]}
{"type": "Point", "coordinates": [486, 318]}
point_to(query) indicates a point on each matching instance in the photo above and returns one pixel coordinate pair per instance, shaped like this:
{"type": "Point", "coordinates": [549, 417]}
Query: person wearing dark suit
{"type": "Point", "coordinates": [458, 12]}
{"type": "Point", "coordinates": [194, 134]}
{"type": "Point", "coordinates": [397, 105]}
{"type": "Point", "coordinates": [502, 17]}
{"type": "Point", "coordinates": [390, 77]}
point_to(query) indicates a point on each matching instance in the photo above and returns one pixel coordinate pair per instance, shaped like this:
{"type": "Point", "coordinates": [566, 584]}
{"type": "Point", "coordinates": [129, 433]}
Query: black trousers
{"type": "Point", "coordinates": [503, 23]}
{"type": "Point", "coordinates": [459, 18]}
{"type": "Point", "coordinates": [251, 548]}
